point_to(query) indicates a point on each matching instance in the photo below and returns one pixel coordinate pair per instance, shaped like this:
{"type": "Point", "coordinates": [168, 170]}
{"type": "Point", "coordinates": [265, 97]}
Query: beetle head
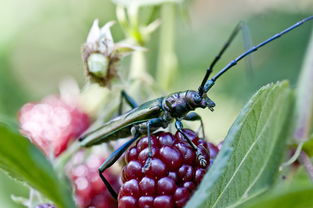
{"type": "Point", "coordinates": [194, 99]}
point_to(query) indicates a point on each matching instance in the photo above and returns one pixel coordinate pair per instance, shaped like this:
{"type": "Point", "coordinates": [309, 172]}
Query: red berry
{"type": "Point", "coordinates": [166, 138]}
{"type": "Point", "coordinates": [52, 123]}
{"type": "Point", "coordinates": [190, 134]}
{"type": "Point", "coordinates": [132, 154]}
{"type": "Point", "coordinates": [163, 201]}
{"type": "Point", "coordinates": [143, 143]}
{"type": "Point", "coordinates": [127, 202]}
{"type": "Point", "coordinates": [199, 175]}
{"type": "Point", "coordinates": [157, 169]}
{"type": "Point", "coordinates": [173, 174]}
{"type": "Point", "coordinates": [166, 186]}
{"type": "Point", "coordinates": [171, 156]}
{"type": "Point", "coordinates": [145, 202]}
{"type": "Point", "coordinates": [181, 196]}
{"type": "Point", "coordinates": [89, 188]}
{"type": "Point", "coordinates": [131, 188]}
{"type": "Point", "coordinates": [143, 155]}
{"type": "Point", "coordinates": [185, 173]}
{"type": "Point", "coordinates": [190, 185]}
{"type": "Point", "coordinates": [133, 170]}
{"type": "Point", "coordinates": [188, 154]}
{"type": "Point", "coordinates": [147, 186]}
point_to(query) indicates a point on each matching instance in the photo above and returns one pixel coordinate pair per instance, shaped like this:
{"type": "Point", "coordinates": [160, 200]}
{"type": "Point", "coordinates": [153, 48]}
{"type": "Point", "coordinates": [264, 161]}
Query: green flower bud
{"type": "Point", "coordinates": [98, 64]}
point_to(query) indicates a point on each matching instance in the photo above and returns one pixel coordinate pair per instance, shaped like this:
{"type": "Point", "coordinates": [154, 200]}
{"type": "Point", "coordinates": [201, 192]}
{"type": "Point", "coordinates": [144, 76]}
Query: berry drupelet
{"type": "Point", "coordinates": [173, 175]}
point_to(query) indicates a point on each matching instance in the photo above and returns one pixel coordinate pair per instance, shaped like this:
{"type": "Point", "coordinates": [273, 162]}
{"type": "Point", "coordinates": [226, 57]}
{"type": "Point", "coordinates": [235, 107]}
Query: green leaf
{"type": "Point", "coordinates": [249, 159]}
{"type": "Point", "coordinates": [23, 161]}
{"type": "Point", "coordinates": [293, 198]}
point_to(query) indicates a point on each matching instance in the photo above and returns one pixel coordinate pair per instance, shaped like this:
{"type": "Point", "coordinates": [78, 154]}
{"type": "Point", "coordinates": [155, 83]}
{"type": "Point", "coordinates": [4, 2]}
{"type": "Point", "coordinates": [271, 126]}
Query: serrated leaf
{"type": "Point", "coordinates": [293, 198]}
{"type": "Point", "coordinates": [23, 161]}
{"type": "Point", "coordinates": [254, 145]}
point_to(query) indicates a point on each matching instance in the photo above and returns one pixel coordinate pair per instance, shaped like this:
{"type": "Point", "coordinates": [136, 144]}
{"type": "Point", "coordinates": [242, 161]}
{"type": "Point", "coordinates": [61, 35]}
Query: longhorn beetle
{"type": "Point", "coordinates": [150, 116]}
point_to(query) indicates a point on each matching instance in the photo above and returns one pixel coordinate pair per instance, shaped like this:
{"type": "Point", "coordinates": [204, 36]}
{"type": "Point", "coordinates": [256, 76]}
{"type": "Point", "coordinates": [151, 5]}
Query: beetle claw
{"type": "Point", "coordinates": [203, 162]}
{"type": "Point", "coordinates": [201, 159]}
{"type": "Point", "coordinates": [147, 165]}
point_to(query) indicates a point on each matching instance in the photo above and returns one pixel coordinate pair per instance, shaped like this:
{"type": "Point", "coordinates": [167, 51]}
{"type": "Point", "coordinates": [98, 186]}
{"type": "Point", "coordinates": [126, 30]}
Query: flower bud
{"type": "Point", "coordinates": [101, 55]}
{"type": "Point", "coordinates": [98, 64]}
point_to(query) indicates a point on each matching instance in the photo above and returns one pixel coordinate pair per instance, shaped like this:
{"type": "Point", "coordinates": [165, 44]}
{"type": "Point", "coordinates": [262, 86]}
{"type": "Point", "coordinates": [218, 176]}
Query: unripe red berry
{"type": "Point", "coordinates": [52, 123]}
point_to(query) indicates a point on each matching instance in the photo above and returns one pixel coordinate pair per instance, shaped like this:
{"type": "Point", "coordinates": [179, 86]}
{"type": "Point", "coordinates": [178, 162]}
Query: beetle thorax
{"type": "Point", "coordinates": [180, 103]}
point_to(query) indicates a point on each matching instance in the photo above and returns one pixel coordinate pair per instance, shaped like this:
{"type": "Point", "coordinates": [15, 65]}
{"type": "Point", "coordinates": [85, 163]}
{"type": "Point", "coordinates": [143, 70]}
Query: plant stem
{"type": "Point", "coordinates": [167, 62]}
{"type": "Point", "coordinates": [306, 162]}
{"type": "Point", "coordinates": [134, 29]}
{"type": "Point", "coordinates": [137, 66]}
{"type": "Point", "coordinates": [294, 157]}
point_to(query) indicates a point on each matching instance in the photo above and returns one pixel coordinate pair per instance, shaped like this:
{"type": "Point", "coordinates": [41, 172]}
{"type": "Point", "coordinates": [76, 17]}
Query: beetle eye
{"type": "Point", "coordinates": [197, 98]}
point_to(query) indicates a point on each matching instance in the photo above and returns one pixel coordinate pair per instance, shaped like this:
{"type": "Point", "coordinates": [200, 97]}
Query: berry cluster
{"type": "Point", "coordinates": [173, 175]}
{"type": "Point", "coordinates": [52, 123]}
{"type": "Point", "coordinates": [89, 188]}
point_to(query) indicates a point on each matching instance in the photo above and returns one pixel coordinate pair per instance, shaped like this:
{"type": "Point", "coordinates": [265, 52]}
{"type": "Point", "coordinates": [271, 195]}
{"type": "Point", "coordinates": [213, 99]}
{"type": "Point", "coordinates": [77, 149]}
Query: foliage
{"type": "Point", "coordinates": [252, 151]}
{"type": "Point", "coordinates": [23, 161]}
{"type": "Point", "coordinates": [299, 197]}
{"type": "Point", "coordinates": [247, 169]}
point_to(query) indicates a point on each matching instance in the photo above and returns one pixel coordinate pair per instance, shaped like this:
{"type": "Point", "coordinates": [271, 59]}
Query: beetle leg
{"type": "Point", "coordinates": [200, 157]}
{"type": "Point", "coordinates": [111, 160]}
{"type": "Point", "coordinates": [133, 104]}
{"type": "Point", "coordinates": [193, 116]}
{"type": "Point", "coordinates": [129, 100]}
{"type": "Point", "coordinates": [155, 122]}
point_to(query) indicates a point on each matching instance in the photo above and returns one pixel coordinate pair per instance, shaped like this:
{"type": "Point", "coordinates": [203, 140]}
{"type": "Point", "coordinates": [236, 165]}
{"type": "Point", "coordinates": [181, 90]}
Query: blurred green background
{"type": "Point", "coordinates": [40, 44]}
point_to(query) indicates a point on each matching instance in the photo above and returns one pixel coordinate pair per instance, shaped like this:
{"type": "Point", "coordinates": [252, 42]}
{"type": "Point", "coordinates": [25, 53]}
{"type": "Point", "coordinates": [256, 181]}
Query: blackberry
{"type": "Point", "coordinates": [173, 175]}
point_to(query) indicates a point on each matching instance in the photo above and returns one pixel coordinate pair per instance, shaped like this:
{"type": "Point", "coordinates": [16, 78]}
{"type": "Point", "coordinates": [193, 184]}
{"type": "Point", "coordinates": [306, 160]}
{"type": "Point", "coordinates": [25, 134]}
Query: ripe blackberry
{"type": "Point", "coordinates": [173, 175]}
{"type": "Point", "coordinates": [89, 188]}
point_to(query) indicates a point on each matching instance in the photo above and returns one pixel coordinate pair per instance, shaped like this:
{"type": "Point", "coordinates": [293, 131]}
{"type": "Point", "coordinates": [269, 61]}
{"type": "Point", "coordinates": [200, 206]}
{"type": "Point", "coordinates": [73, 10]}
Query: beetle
{"type": "Point", "coordinates": [160, 112]}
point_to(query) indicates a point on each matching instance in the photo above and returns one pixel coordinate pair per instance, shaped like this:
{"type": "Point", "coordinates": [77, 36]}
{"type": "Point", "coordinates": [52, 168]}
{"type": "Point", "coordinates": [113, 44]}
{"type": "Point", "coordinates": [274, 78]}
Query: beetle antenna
{"type": "Point", "coordinates": [226, 45]}
{"type": "Point", "coordinates": [211, 82]}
